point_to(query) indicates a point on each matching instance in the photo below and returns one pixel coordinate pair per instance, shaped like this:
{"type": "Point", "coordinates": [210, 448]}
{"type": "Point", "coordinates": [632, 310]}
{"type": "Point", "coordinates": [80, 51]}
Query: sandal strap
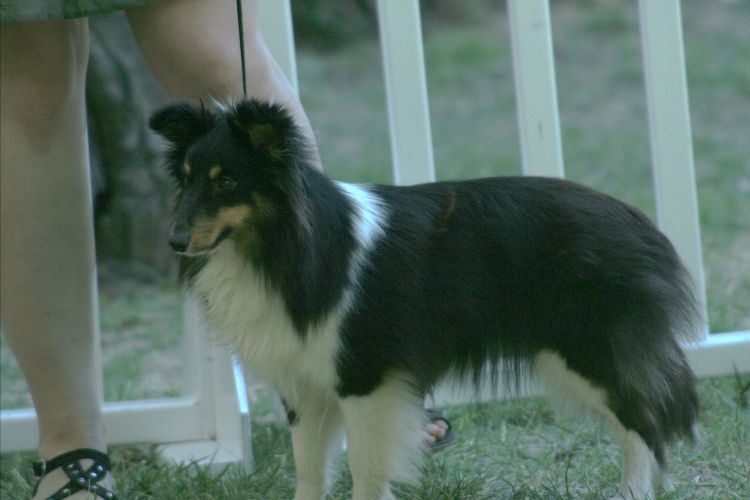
{"type": "Point", "coordinates": [79, 479]}
{"type": "Point", "coordinates": [43, 467]}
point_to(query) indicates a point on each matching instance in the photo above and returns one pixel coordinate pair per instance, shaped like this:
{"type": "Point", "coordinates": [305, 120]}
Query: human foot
{"type": "Point", "coordinates": [437, 433]}
{"type": "Point", "coordinates": [78, 474]}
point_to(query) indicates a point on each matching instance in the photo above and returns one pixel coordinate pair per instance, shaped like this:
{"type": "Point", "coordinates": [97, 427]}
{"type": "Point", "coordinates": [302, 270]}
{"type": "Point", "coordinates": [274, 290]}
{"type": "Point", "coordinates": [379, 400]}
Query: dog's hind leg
{"type": "Point", "coordinates": [384, 431]}
{"type": "Point", "coordinates": [570, 392]}
{"type": "Point", "coordinates": [316, 438]}
{"type": "Point", "coordinates": [641, 473]}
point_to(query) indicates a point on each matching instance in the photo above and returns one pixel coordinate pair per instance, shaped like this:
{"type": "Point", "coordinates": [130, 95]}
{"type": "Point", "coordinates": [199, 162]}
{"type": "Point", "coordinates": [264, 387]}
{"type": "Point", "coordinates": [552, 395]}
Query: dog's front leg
{"type": "Point", "coordinates": [316, 438]}
{"type": "Point", "coordinates": [384, 431]}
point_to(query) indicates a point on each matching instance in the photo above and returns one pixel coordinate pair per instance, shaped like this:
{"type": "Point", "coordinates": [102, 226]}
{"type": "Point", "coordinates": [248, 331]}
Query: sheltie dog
{"type": "Point", "coordinates": [355, 300]}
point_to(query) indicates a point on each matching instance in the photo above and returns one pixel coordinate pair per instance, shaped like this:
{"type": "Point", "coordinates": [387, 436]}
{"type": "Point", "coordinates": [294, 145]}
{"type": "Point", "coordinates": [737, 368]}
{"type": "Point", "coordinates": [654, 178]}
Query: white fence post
{"type": "Point", "coordinates": [406, 91]}
{"type": "Point", "coordinates": [671, 138]}
{"type": "Point", "coordinates": [223, 436]}
{"type": "Point", "coordinates": [536, 94]}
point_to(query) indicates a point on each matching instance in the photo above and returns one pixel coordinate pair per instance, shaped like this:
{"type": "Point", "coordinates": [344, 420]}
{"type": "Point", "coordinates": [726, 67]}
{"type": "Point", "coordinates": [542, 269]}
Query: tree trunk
{"type": "Point", "coordinates": [131, 190]}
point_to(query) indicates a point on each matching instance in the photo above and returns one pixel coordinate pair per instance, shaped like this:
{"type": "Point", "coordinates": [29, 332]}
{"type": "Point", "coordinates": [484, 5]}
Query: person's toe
{"type": "Point", "coordinates": [434, 431]}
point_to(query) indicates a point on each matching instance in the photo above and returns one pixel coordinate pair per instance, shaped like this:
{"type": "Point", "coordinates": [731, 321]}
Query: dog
{"type": "Point", "coordinates": [355, 300]}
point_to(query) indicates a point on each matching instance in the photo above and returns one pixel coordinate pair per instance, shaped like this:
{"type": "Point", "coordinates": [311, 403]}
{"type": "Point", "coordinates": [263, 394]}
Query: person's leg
{"type": "Point", "coordinates": [192, 46]}
{"type": "Point", "coordinates": [47, 272]}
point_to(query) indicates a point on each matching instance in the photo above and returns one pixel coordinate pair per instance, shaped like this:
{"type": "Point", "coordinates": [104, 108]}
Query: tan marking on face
{"type": "Point", "coordinates": [186, 169]}
{"type": "Point", "coordinates": [206, 231]}
{"type": "Point", "coordinates": [214, 172]}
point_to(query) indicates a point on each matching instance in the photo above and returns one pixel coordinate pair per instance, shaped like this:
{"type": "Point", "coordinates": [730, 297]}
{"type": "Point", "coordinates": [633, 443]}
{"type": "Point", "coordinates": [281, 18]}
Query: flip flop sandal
{"type": "Point", "coordinates": [448, 439]}
{"type": "Point", "coordinates": [80, 479]}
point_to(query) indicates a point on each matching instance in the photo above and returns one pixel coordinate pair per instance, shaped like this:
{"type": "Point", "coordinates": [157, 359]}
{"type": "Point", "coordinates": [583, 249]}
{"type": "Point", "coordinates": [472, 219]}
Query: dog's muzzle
{"type": "Point", "coordinates": [179, 236]}
{"type": "Point", "coordinates": [179, 241]}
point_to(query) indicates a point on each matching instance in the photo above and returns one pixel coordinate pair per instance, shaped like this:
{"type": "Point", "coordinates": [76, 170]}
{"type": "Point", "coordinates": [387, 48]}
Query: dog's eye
{"type": "Point", "coordinates": [225, 184]}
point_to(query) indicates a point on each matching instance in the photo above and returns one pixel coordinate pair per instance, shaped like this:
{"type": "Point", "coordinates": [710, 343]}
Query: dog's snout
{"type": "Point", "coordinates": [179, 241]}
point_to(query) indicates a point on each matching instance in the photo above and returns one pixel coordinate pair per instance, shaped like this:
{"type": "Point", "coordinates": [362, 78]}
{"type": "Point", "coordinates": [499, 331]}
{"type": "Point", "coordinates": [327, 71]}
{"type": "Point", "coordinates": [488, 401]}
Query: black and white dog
{"type": "Point", "coordinates": [355, 300]}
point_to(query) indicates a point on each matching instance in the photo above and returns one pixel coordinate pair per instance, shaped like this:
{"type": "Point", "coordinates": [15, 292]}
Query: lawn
{"type": "Point", "coordinates": [506, 449]}
{"type": "Point", "coordinates": [512, 449]}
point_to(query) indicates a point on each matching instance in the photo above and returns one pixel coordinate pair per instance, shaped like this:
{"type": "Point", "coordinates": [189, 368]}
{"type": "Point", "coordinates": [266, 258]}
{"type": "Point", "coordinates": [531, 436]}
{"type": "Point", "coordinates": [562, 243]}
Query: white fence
{"type": "Point", "coordinates": [212, 421]}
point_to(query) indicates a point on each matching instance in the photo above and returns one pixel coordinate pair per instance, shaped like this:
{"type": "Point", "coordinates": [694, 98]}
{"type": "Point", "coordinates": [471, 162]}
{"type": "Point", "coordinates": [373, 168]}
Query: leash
{"type": "Point", "coordinates": [242, 48]}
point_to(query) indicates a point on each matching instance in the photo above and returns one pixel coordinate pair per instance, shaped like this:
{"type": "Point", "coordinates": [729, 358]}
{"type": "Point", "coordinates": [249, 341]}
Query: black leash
{"type": "Point", "coordinates": [242, 48]}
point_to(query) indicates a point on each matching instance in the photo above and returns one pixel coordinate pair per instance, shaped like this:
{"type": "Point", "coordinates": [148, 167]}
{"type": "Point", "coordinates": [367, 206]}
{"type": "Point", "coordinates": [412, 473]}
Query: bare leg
{"type": "Point", "coordinates": [47, 269]}
{"type": "Point", "coordinates": [192, 46]}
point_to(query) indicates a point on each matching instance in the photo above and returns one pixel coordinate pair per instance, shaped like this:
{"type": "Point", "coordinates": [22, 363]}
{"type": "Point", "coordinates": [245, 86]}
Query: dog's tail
{"type": "Point", "coordinates": [653, 391]}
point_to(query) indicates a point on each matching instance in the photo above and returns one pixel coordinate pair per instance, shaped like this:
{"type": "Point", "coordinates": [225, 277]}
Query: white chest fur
{"type": "Point", "coordinates": [245, 313]}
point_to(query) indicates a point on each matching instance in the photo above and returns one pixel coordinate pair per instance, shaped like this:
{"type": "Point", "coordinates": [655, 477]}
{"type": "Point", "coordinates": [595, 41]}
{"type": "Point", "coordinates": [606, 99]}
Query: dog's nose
{"type": "Point", "coordinates": [179, 241]}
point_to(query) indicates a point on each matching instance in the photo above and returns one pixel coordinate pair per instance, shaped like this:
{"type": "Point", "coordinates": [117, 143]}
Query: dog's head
{"type": "Point", "coordinates": [233, 166]}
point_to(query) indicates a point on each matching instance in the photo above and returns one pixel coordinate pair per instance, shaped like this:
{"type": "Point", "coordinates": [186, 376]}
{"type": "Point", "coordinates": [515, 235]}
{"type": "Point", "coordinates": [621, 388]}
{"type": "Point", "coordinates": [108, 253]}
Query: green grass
{"type": "Point", "coordinates": [506, 450]}
{"type": "Point", "coordinates": [141, 331]}
{"type": "Point", "coordinates": [511, 449]}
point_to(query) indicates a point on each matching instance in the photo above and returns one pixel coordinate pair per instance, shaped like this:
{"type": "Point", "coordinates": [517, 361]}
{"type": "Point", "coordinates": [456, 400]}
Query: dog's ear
{"type": "Point", "coordinates": [268, 128]}
{"type": "Point", "coordinates": [182, 123]}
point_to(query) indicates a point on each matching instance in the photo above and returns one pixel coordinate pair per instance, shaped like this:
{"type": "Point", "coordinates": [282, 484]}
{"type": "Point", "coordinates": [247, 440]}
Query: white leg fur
{"type": "Point", "coordinates": [316, 437]}
{"type": "Point", "coordinates": [570, 391]}
{"type": "Point", "coordinates": [384, 431]}
{"type": "Point", "coordinates": [641, 472]}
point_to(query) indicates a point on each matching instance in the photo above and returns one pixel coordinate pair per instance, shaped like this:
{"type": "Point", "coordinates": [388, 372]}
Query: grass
{"type": "Point", "coordinates": [511, 449]}
{"type": "Point", "coordinates": [141, 332]}
{"type": "Point", "coordinates": [506, 450]}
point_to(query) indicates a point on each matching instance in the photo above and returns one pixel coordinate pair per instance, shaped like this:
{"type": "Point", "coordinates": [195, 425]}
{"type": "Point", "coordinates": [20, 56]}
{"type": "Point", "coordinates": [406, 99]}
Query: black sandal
{"type": "Point", "coordinates": [80, 479]}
